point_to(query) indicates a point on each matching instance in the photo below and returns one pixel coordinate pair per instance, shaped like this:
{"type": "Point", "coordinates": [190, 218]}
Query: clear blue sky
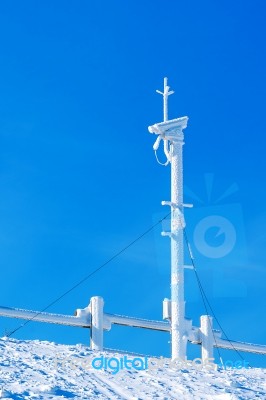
{"type": "Point", "coordinates": [78, 177]}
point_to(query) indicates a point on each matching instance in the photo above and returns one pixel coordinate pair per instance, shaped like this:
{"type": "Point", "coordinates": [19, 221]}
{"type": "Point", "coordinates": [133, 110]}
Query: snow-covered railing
{"type": "Point", "coordinates": [241, 346]}
{"type": "Point", "coordinates": [94, 317]}
{"type": "Point", "coordinates": [44, 317]}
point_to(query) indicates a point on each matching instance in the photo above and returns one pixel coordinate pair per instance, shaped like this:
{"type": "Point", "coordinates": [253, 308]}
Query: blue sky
{"type": "Point", "coordinates": [78, 175]}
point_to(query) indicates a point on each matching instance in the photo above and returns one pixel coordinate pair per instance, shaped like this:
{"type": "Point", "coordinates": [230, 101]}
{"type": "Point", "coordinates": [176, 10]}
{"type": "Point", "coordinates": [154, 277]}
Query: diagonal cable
{"type": "Point", "coordinates": [206, 301]}
{"type": "Point", "coordinates": [90, 275]}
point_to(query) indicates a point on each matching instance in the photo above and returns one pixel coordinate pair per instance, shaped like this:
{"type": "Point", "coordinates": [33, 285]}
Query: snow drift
{"type": "Point", "coordinates": [44, 370]}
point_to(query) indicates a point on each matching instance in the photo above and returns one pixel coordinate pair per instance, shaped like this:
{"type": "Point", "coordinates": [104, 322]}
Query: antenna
{"type": "Point", "coordinates": [165, 95]}
{"type": "Point", "coordinates": [172, 131]}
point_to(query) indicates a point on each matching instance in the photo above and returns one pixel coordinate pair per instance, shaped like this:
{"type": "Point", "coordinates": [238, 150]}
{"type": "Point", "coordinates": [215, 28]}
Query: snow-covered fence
{"type": "Point", "coordinates": [94, 317]}
{"type": "Point", "coordinates": [38, 316]}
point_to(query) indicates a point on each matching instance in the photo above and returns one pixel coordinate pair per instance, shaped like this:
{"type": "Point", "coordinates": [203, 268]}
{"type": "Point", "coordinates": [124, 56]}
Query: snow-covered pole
{"type": "Point", "coordinates": [172, 131]}
{"type": "Point", "coordinates": [179, 339]}
{"type": "Point", "coordinates": [96, 309]}
{"type": "Point", "coordinates": [206, 338]}
{"type": "Point", "coordinates": [165, 95]}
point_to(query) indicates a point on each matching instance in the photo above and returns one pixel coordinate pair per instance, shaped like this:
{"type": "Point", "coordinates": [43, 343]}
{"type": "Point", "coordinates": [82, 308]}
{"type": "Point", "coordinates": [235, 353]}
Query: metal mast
{"type": "Point", "coordinates": [165, 95]}
{"type": "Point", "coordinates": [171, 132]}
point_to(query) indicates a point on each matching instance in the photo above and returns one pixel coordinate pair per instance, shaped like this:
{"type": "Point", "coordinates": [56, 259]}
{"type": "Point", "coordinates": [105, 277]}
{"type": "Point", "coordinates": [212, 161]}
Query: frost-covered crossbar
{"type": "Point", "coordinates": [44, 317]}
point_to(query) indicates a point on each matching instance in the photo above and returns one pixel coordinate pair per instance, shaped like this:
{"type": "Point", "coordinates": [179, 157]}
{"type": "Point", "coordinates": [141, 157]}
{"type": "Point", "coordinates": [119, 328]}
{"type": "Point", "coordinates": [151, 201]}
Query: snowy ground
{"type": "Point", "coordinates": [43, 370]}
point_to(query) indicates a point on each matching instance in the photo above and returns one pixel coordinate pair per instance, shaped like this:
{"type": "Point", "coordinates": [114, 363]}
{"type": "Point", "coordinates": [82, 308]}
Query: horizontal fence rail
{"type": "Point", "coordinates": [37, 316]}
{"type": "Point", "coordinates": [93, 317]}
{"type": "Point", "coordinates": [241, 346]}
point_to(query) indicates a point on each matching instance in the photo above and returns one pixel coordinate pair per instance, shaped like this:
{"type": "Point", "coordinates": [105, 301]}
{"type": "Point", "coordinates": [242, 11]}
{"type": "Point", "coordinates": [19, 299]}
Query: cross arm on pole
{"type": "Point", "coordinates": [166, 92]}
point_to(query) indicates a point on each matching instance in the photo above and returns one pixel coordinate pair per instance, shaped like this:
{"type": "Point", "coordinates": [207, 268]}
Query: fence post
{"type": "Point", "coordinates": [206, 337]}
{"type": "Point", "coordinates": [96, 306]}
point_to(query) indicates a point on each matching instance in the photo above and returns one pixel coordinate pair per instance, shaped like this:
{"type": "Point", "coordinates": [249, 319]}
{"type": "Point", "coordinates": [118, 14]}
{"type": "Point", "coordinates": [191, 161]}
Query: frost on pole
{"type": "Point", "coordinates": [165, 95]}
{"type": "Point", "coordinates": [171, 132]}
{"type": "Point", "coordinates": [96, 309]}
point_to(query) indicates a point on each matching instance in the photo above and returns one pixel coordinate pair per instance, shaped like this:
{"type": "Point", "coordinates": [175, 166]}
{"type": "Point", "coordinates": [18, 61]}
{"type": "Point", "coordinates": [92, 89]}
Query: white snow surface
{"type": "Point", "coordinates": [44, 370]}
